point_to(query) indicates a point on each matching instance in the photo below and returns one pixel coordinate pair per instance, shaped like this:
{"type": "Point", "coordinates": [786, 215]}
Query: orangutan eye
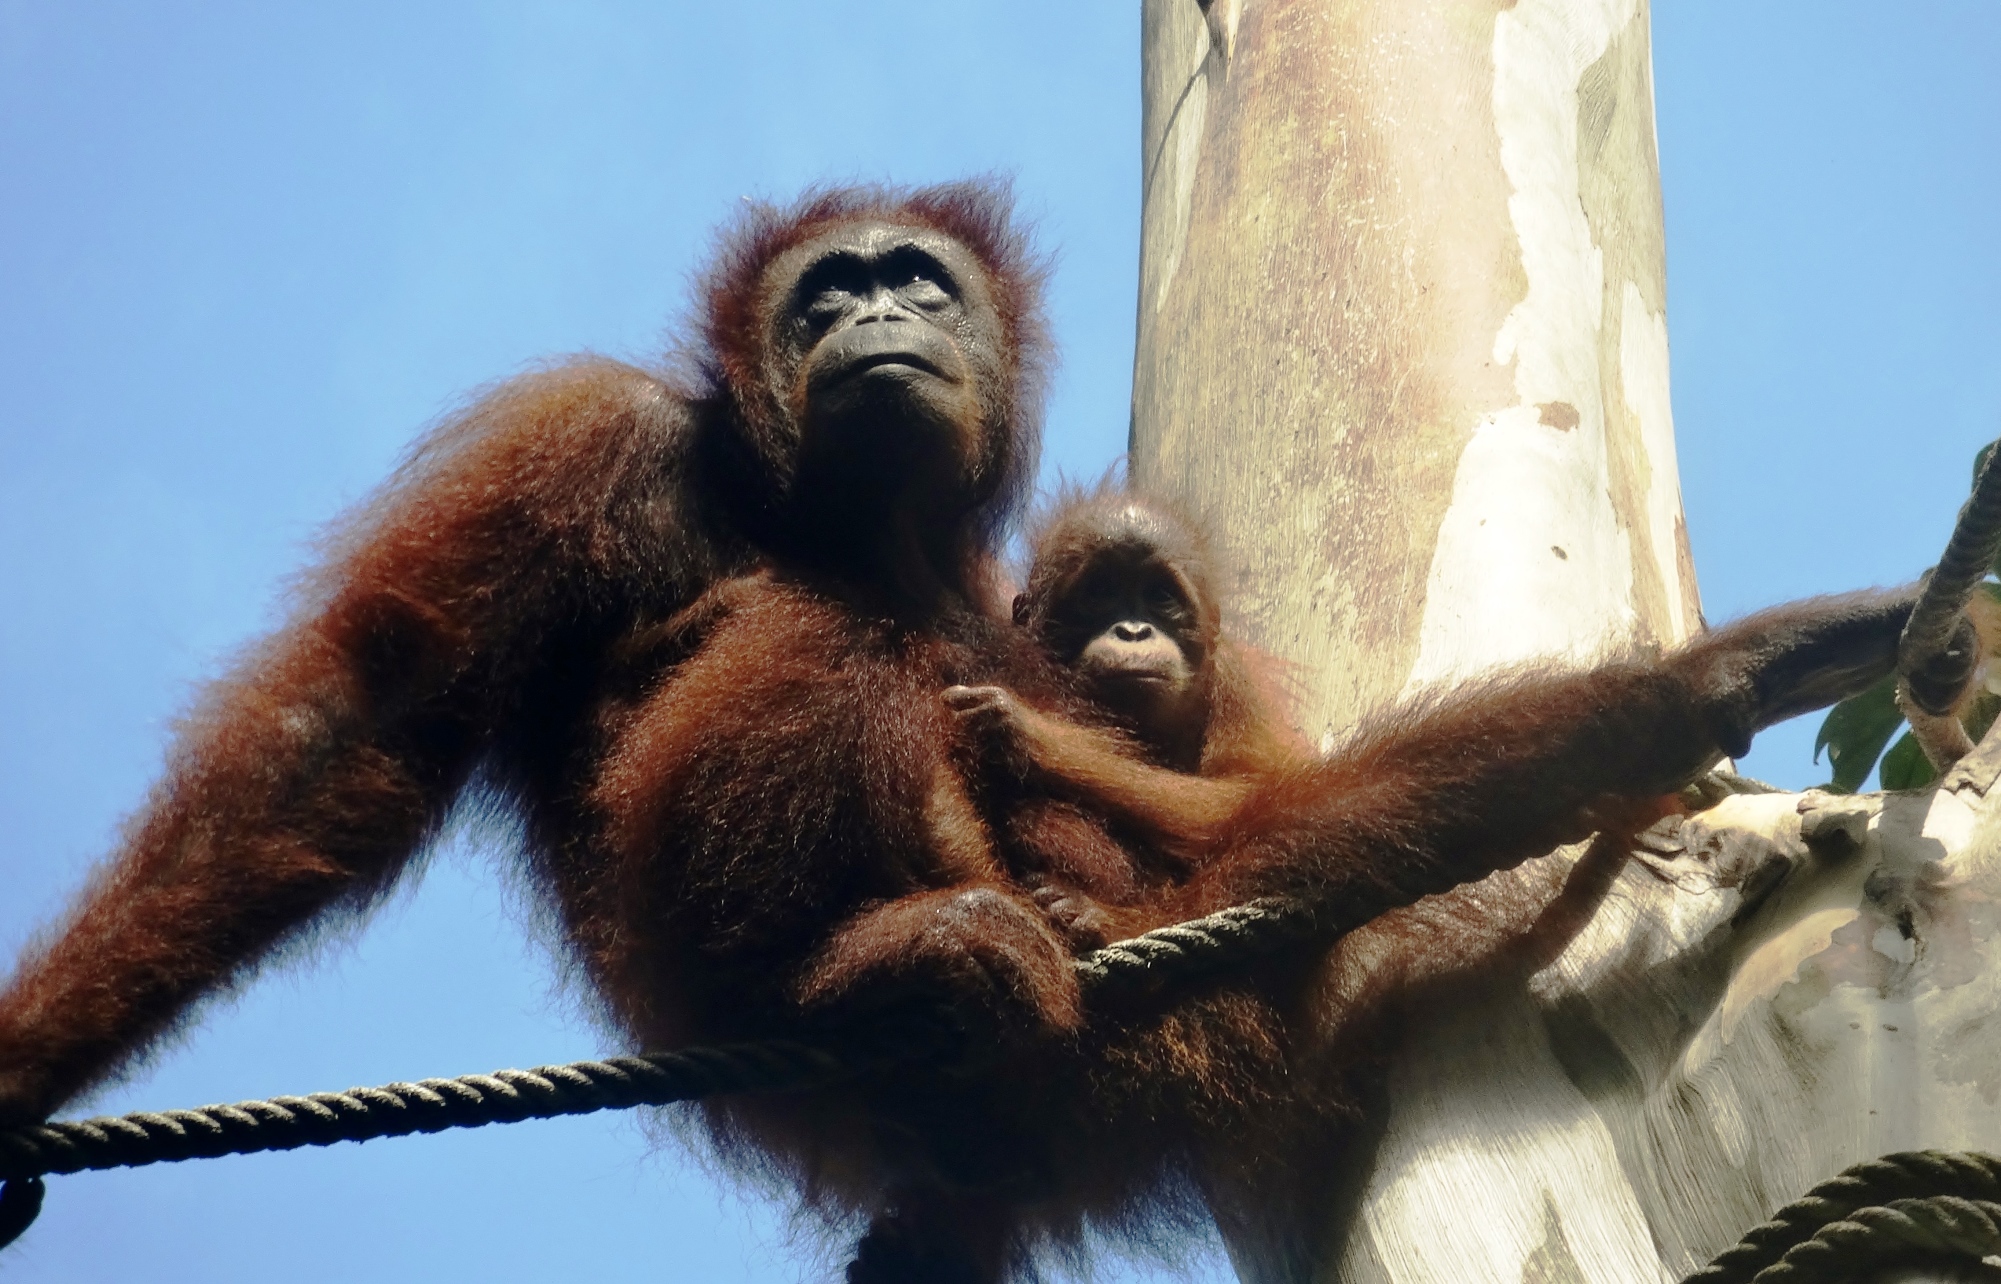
{"type": "Point", "coordinates": [918, 278]}
{"type": "Point", "coordinates": [828, 306]}
{"type": "Point", "coordinates": [1163, 602]}
{"type": "Point", "coordinates": [924, 292]}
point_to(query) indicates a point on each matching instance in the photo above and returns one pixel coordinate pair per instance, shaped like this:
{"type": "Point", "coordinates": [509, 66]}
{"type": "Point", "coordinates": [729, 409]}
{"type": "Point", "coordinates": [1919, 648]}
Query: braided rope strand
{"type": "Point", "coordinates": [1975, 542]}
{"type": "Point", "coordinates": [1184, 951]}
{"type": "Point", "coordinates": [582, 1087]}
{"type": "Point", "coordinates": [1889, 1204]}
{"type": "Point", "coordinates": [1146, 963]}
{"type": "Point", "coordinates": [27, 1154]}
{"type": "Point", "coordinates": [401, 1109]}
{"type": "Point", "coordinates": [1942, 1229]}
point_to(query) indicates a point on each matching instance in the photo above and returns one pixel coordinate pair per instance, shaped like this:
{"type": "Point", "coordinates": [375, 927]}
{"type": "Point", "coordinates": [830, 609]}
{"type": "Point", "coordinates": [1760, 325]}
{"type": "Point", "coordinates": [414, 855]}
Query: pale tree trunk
{"type": "Point", "coordinates": [1401, 332]}
{"type": "Point", "coordinates": [1402, 342]}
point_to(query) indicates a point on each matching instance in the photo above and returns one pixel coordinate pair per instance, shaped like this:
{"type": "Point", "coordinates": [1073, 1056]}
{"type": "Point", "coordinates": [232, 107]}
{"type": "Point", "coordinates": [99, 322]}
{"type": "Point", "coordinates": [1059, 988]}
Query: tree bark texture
{"type": "Point", "coordinates": [1402, 343]}
{"type": "Point", "coordinates": [1780, 987]}
{"type": "Point", "coordinates": [1401, 332]}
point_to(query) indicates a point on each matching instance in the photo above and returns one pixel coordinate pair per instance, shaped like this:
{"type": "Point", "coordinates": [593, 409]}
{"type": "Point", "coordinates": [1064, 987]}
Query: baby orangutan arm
{"type": "Point", "coordinates": [1185, 812]}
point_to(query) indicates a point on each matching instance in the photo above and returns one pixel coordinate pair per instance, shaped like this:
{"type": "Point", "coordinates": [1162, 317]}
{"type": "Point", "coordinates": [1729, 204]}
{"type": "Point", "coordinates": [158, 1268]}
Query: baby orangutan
{"type": "Point", "coordinates": [1120, 592]}
{"type": "Point", "coordinates": [1203, 768]}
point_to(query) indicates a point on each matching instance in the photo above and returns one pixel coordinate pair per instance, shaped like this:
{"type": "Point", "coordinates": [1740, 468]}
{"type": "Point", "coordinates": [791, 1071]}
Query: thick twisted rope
{"type": "Point", "coordinates": [400, 1109]}
{"type": "Point", "coordinates": [1154, 961]}
{"type": "Point", "coordinates": [1975, 542]}
{"type": "Point", "coordinates": [1176, 953]}
{"type": "Point", "coordinates": [1183, 952]}
{"type": "Point", "coordinates": [1924, 1204]}
{"type": "Point", "coordinates": [1935, 626]}
{"type": "Point", "coordinates": [1943, 1229]}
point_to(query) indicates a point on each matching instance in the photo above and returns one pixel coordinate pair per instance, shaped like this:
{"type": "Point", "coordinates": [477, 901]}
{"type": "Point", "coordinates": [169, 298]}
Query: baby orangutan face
{"type": "Point", "coordinates": [1117, 595]}
{"type": "Point", "coordinates": [1142, 653]}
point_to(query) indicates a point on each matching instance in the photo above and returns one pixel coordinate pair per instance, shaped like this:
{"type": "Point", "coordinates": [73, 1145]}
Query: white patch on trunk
{"type": "Point", "coordinates": [1643, 373]}
{"type": "Point", "coordinates": [1493, 1149]}
{"type": "Point", "coordinates": [1533, 481]}
{"type": "Point", "coordinates": [1492, 1160]}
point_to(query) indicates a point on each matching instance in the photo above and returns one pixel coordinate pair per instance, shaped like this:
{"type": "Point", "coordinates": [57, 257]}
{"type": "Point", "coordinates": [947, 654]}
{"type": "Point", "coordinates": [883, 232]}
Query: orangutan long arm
{"type": "Point", "coordinates": [304, 782]}
{"type": "Point", "coordinates": [1448, 788]}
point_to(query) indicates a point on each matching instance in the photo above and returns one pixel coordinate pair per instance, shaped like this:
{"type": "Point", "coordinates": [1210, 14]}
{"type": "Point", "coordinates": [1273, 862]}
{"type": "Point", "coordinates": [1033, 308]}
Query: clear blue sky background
{"type": "Point", "coordinates": [247, 250]}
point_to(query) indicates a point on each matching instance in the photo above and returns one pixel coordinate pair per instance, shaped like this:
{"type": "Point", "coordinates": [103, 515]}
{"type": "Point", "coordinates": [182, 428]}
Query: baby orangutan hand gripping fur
{"type": "Point", "coordinates": [691, 627]}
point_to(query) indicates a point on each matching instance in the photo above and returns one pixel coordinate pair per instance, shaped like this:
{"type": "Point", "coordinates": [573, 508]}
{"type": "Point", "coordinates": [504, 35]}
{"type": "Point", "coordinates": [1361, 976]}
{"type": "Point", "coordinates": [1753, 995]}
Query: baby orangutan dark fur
{"type": "Point", "coordinates": [1120, 592]}
{"type": "Point", "coordinates": [693, 630]}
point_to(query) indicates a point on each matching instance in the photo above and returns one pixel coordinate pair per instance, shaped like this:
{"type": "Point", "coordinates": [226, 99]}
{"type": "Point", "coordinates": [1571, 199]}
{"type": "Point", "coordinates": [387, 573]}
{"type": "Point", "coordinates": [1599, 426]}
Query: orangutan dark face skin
{"type": "Point", "coordinates": [885, 347]}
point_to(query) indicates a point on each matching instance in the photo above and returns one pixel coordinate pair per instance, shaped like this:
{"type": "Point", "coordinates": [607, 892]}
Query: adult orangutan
{"type": "Point", "coordinates": [693, 629]}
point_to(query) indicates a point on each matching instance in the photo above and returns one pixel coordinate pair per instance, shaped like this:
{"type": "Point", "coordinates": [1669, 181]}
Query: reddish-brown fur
{"type": "Point", "coordinates": [609, 600]}
{"type": "Point", "coordinates": [1437, 791]}
{"type": "Point", "coordinates": [490, 620]}
{"type": "Point", "coordinates": [1102, 819]}
{"type": "Point", "coordinates": [500, 620]}
{"type": "Point", "coordinates": [1249, 729]}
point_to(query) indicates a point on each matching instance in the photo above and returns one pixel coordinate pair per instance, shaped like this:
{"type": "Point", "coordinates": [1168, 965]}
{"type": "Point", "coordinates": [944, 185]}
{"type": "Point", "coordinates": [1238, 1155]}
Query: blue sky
{"type": "Point", "coordinates": [246, 251]}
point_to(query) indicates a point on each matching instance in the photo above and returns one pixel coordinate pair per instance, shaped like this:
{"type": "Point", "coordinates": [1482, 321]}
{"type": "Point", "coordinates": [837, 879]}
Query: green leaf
{"type": "Point", "coordinates": [1855, 731]}
{"type": "Point", "coordinates": [1979, 715]}
{"type": "Point", "coordinates": [1906, 767]}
